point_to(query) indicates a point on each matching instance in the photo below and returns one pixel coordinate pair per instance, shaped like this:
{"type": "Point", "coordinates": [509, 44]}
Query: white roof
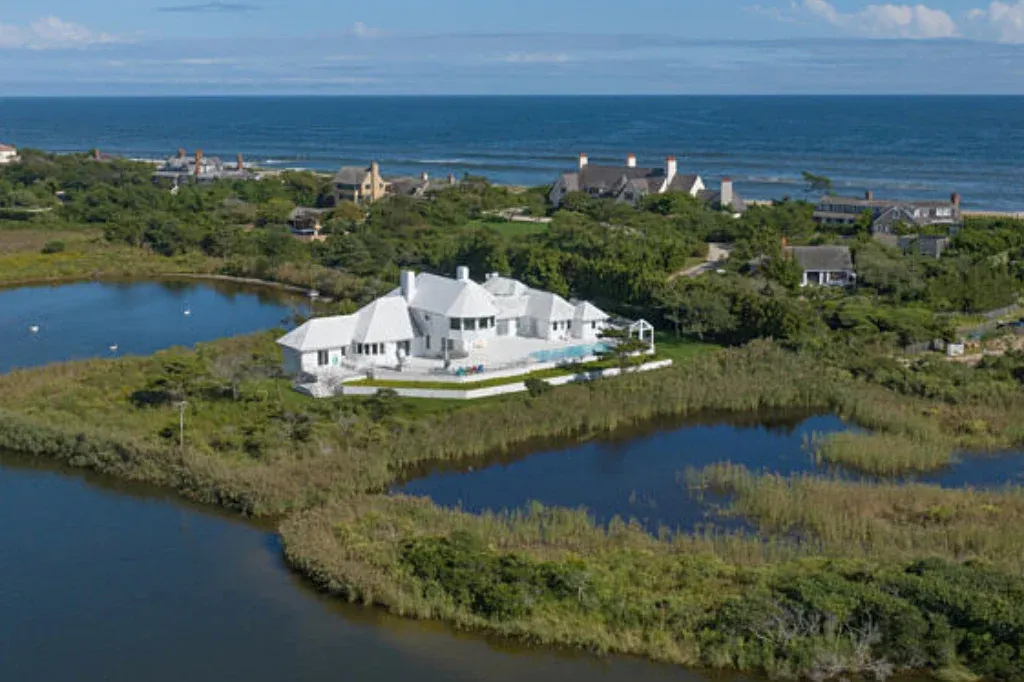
{"type": "Point", "coordinates": [321, 333]}
{"type": "Point", "coordinates": [544, 305]}
{"type": "Point", "coordinates": [506, 286]}
{"type": "Point", "coordinates": [386, 319]}
{"type": "Point", "coordinates": [588, 312]}
{"type": "Point", "coordinates": [451, 297]}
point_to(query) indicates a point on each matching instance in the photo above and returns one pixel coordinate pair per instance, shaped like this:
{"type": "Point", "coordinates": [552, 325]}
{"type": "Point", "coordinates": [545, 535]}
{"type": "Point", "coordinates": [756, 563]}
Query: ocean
{"type": "Point", "coordinates": [910, 147]}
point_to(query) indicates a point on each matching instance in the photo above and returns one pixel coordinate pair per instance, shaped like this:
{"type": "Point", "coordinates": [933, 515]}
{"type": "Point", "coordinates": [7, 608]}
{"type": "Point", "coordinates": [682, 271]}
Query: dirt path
{"type": "Point", "coordinates": [717, 255]}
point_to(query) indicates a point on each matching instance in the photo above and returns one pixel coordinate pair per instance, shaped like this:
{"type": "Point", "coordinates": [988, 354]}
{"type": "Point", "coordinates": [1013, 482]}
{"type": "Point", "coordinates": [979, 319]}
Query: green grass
{"type": "Point", "coordinates": [679, 349]}
{"type": "Point", "coordinates": [881, 454]}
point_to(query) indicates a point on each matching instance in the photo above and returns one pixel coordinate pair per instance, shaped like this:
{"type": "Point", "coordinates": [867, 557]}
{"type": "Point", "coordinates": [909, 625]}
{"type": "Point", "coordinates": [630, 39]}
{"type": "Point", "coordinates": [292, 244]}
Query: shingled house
{"type": "Point", "coordinates": [360, 184]}
{"type": "Point", "coordinates": [886, 214]}
{"type": "Point", "coordinates": [629, 183]}
{"type": "Point", "coordinates": [823, 265]}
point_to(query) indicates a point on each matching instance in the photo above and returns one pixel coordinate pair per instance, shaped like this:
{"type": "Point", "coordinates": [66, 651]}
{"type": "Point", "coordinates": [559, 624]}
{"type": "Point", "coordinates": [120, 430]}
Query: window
{"type": "Point", "coordinates": [405, 347]}
{"type": "Point", "coordinates": [469, 324]}
{"type": "Point", "coordinates": [322, 358]}
{"type": "Point", "coordinates": [492, 323]}
{"type": "Point", "coordinates": [344, 352]}
{"type": "Point", "coordinates": [427, 343]}
{"type": "Point", "coordinates": [593, 325]}
{"type": "Point", "coordinates": [359, 349]}
{"type": "Point", "coordinates": [554, 326]}
{"type": "Point", "coordinates": [485, 323]}
{"type": "Point", "coordinates": [568, 325]}
{"type": "Point", "coordinates": [456, 323]}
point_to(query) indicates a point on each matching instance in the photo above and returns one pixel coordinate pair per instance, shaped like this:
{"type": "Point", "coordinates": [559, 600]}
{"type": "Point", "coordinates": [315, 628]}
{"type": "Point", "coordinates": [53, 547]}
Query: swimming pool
{"type": "Point", "coordinates": [570, 353]}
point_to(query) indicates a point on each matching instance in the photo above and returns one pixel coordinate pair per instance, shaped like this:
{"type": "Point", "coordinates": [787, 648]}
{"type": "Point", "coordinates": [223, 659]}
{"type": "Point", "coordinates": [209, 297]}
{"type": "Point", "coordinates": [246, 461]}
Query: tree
{"type": "Point", "coordinates": [817, 183]}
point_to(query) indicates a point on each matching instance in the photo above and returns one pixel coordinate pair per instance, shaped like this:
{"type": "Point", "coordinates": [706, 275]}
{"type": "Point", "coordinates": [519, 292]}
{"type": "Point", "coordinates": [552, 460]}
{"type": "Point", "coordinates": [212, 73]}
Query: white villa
{"type": "Point", "coordinates": [8, 154]}
{"type": "Point", "coordinates": [432, 325]}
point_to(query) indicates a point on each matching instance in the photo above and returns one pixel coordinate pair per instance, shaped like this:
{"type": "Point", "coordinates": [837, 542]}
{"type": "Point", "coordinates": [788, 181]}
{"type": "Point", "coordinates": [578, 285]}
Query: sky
{"type": "Point", "coordinates": [226, 47]}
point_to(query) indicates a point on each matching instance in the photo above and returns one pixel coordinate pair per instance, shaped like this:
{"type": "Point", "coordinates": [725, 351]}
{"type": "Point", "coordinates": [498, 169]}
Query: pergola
{"type": "Point", "coordinates": [642, 330]}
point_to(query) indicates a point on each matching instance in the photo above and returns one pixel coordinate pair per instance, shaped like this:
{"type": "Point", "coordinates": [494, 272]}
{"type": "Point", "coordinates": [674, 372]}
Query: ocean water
{"type": "Point", "coordinates": [914, 147]}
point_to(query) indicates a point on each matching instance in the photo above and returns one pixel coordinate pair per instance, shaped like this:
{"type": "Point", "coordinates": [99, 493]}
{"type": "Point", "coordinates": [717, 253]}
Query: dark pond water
{"type": "Point", "coordinates": [77, 321]}
{"type": "Point", "coordinates": [104, 581]}
{"type": "Point", "coordinates": [641, 475]}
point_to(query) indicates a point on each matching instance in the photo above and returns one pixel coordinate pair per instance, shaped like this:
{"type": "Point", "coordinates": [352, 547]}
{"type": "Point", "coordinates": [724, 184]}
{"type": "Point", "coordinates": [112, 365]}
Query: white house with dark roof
{"type": "Point", "coordinates": [8, 154]}
{"type": "Point", "coordinates": [824, 265]}
{"type": "Point", "coordinates": [430, 321]}
{"type": "Point", "coordinates": [629, 183]}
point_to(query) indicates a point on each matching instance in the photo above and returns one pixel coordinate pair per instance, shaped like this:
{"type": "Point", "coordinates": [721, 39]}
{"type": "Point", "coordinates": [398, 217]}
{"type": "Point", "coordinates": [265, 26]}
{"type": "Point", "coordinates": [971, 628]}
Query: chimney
{"type": "Point", "coordinates": [955, 199]}
{"type": "Point", "coordinates": [631, 161]}
{"type": "Point", "coordinates": [451, 179]}
{"type": "Point", "coordinates": [96, 154]}
{"type": "Point", "coordinates": [671, 167]}
{"type": "Point", "coordinates": [424, 176]}
{"type": "Point", "coordinates": [462, 273]}
{"type": "Point", "coordinates": [725, 195]}
{"type": "Point", "coordinates": [181, 152]}
{"type": "Point", "coordinates": [583, 161]}
{"type": "Point", "coordinates": [240, 166]}
{"type": "Point", "coordinates": [869, 195]}
{"type": "Point", "coordinates": [199, 162]}
{"type": "Point", "coordinates": [408, 285]}
{"type": "Point", "coordinates": [785, 242]}
{"type": "Point", "coordinates": [375, 169]}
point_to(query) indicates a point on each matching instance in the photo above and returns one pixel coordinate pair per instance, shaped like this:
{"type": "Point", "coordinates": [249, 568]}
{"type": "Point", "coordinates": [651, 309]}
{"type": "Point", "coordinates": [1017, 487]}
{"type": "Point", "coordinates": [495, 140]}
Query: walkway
{"type": "Point", "coordinates": [717, 255]}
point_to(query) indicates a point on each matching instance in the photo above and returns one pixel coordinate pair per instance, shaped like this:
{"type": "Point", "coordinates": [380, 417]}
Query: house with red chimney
{"type": "Point", "coordinates": [200, 168]}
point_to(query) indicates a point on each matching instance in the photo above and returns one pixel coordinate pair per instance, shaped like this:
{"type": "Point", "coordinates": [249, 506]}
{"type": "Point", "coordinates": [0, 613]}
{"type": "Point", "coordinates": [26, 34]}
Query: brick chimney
{"type": "Point", "coordinates": [671, 168]}
{"type": "Point", "coordinates": [199, 162]}
{"type": "Point", "coordinates": [955, 199]}
{"type": "Point", "coordinates": [96, 154]}
{"type": "Point", "coordinates": [240, 166]}
{"type": "Point", "coordinates": [181, 152]}
{"type": "Point", "coordinates": [869, 195]}
{"type": "Point", "coordinates": [785, 242]}
{"type": "Point", "coordinates": [725, 198]}
{"type": "Point", "coordinates": [583, 161]}
{"type": "Point", "coordinates": [631, 161]}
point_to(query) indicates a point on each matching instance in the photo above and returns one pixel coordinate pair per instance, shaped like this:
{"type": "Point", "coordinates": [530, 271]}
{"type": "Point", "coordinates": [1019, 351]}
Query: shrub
{"type": "Point", "coordinates": [537, 387]}
{"type": "Point", "coordinates": [53, 247]}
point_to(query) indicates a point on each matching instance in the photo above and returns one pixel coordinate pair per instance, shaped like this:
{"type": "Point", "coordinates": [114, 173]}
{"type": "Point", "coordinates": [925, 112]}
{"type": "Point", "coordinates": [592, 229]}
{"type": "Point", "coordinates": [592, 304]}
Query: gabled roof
{"type": "Point", "coordinates": [7, 148]}
{"type": "Point", "coordinates": [683, 183]}
{"type": "Point", "coordinates": [544, 305]}
{"type": "Point", "coordinates": [588, 312]}
{"type": "Point", "coordinates": [321, 333]}
{"type": "Point", "coordinates": [451, 297]}
{"type": "Point", "coordinates": [505, 286]}
{"type": "Point", "coordinates": [822, 258]}
{"type": "Point", "coordinates": [351, 175]}
{"type": "Point", "coordinates": [386, 319]}
{"type": "Point", "coordinates": [714, 198]}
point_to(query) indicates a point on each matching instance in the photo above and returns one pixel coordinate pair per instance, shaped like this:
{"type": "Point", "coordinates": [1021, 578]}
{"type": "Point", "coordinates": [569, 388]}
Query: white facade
{"type": "Point", "coordinates": [437, 318]}
{"type": "Point", "coordinates": [8, 154]}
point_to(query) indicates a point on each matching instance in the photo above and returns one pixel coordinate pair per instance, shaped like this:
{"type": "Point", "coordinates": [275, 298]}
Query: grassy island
{"type": "Point", "coordinates": [834, 578]}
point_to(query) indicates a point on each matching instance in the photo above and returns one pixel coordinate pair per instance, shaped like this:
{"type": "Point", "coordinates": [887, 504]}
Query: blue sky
{"type": "Point", "coordinates": [54, 47]}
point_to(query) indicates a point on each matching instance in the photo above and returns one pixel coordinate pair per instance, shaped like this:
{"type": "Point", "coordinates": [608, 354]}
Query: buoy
{"type": "Point", "coordinates": [188, 312]}
{"type": "Point", "coordinates": [34, 329]}
{"type": "Point", "coordinates": [113, 349]}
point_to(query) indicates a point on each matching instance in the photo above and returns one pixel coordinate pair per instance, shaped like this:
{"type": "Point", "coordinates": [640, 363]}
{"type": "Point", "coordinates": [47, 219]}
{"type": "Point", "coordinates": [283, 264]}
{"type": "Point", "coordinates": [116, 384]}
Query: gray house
{"type": "Point", "coordinates": [629, 183]}
{"type": "Point", "coordinates": [824, 265]}
{"type": "Point", "coordinates": [886, 214]}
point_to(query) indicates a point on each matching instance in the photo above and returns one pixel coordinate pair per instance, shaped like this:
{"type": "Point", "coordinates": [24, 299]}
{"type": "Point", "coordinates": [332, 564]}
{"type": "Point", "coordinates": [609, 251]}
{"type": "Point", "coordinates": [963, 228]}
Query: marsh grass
{"type": "Point", "coordinates": [880, 454]}
{"type": "Point", "coordinates": [884, 521]}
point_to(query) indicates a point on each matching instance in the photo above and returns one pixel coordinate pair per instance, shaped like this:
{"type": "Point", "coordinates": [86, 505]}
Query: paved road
{"type": "Point", "coordinates": [717, 255]}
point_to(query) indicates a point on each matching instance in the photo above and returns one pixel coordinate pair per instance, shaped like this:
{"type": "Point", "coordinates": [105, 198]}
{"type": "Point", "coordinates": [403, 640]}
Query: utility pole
{"type": "Point", "coordinates": [181, 425]}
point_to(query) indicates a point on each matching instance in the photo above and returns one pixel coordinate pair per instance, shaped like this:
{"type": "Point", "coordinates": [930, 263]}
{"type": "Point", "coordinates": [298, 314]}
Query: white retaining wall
{"type": "Point", "coordinates": [505, 389]}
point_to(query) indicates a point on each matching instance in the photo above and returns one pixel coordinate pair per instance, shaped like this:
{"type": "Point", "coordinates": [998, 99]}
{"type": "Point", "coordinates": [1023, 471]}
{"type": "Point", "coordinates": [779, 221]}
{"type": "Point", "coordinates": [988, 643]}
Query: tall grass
{"type": "Point", "coordinates": [880, 454]}
{"type": "Point", "coordinates": [884, 521]}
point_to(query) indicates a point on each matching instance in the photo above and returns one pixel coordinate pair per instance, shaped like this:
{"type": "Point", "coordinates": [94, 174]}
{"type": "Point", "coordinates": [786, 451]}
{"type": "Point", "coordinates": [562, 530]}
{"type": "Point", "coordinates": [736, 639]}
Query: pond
{"type": "Point", "coordinates": [101, 580]}
{"type": "Point", "coordinates": [44, 324]}
{"type": "Point", "coordinates": [641, 474]}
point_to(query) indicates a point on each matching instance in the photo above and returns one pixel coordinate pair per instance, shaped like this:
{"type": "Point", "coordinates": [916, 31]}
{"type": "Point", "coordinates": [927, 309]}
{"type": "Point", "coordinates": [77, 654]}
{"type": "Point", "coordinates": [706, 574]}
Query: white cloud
{"type": "Point", "coordinates": [1002, 20]}
{"type": "Point", "coordinates": [884, 21]}
{"type": "Point", "coordinates": [535, 58]}
{"type": "Point", "coordinates": [51, 33]}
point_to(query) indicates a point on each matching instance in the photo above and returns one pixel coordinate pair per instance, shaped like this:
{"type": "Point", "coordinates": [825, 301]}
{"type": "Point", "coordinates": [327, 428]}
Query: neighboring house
{"type": "Point", "coordinates": [8, 154]}
{"type": "Point", "coordinates": [305, 224]}
{"type": "Point", "coordinates": [931, 246]}
{"type": "Point", "coordinates": [419, 188]}
{"type": "Point", "coordinates": [725, 198]}
{"type": "Point", "coordinates": [440, 318]}
{"type": "Point", "coordinates": [823, 265]}
{"type": "Point", "coordinates": [360, 185]}
{"type": "Point", "coordinates": [886, 214]}
{"type": "Point", "coordinates": [199, 168]}
{"type": "Point", "coordinates": [628, 183]}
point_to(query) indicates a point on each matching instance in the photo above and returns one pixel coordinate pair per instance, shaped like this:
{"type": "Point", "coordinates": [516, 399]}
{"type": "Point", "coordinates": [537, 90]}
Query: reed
{"type": "Point", "coordinates": [880, 454]}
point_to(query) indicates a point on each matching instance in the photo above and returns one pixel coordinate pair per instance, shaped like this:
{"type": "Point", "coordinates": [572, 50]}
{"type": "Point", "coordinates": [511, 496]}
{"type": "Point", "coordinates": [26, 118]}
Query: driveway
{"type": "Point", "coordinates": [717, 255]}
